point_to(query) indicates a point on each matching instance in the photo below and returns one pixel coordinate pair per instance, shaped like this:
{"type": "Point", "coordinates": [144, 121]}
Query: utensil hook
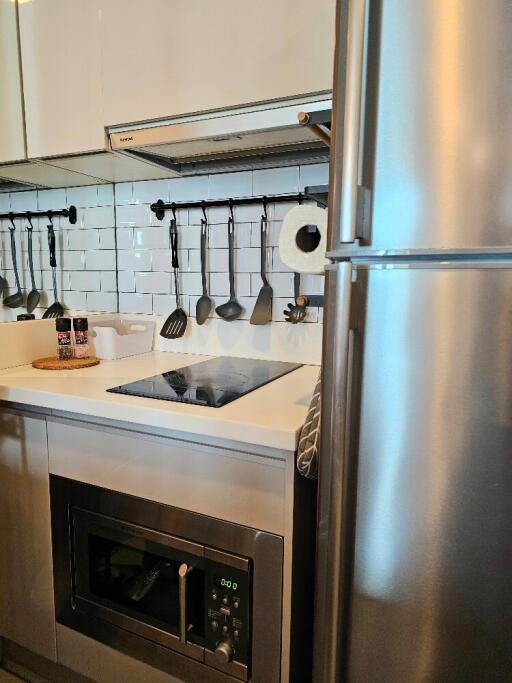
{"type": "Point", "coordinates": [203, 208]}
{"type": "Point", "coordinates": [173, 209]}
{"type": "Point", "coordinates": [11, 218]}
{"type": "Point", "coordinates": [29, 219]}
{"type": "Point", "coordinates": [300, 198]}
{"type": "Point", "coordinates": [265, 213]}
{"type": "Point", "coordinates": [50, 214]}
{"type": "Point", "coordinates": [231, 214]}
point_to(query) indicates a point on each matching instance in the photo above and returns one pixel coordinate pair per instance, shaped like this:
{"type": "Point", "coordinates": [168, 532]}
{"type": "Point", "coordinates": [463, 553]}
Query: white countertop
{"type": "Point", "coordinates": [270, 416]}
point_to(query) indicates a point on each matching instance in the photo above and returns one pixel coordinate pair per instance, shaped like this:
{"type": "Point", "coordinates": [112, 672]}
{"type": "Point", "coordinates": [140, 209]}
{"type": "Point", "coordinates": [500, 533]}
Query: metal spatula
{"type": "Point", "coordinates": [176, 323]}
{"type": "Point", "coordinates": [56, 310]}
{"type": "Point", "coordinates": [262, 313]}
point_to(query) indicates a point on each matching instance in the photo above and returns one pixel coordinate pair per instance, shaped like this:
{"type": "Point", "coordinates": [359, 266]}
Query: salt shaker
{"type": "Point", "coordinates": [64, 346]}
{"type": "Point", "coordinates": [81, 326]}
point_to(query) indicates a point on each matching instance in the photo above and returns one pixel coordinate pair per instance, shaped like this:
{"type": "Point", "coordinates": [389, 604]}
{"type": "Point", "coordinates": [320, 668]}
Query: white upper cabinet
{"type": "Point", "coordinates": [12, 130]}
{"type": "Point", "coordinates": [168, 57]}
{"type": "Point", "coordinates": [87, 65]}
{"type": "Point", "coordinates": [60, 51]}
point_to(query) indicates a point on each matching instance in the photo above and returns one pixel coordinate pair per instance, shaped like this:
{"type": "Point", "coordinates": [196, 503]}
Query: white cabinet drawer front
{"type": "Point", "coordinates": [236, 487]}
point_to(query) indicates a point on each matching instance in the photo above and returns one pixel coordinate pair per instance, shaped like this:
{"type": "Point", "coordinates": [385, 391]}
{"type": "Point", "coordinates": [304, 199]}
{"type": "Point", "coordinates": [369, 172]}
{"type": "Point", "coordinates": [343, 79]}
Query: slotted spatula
{"type": "Point", "coordinates": [56, 310]}
{"type": "Point", "coordinates": [176, 324]}
{"type": "Point", "coordinates": [262, 313]}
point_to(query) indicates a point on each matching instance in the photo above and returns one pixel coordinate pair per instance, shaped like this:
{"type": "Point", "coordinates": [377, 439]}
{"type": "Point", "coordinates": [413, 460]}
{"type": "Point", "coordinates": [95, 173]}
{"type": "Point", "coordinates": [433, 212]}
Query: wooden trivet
{"type": "Point", "coordinates": [71, 364]}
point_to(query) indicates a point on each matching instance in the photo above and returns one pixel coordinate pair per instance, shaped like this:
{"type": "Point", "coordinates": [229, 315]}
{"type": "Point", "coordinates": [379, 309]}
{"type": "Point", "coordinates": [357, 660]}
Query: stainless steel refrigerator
{"type": "Point", "coordinates": [414, 538]}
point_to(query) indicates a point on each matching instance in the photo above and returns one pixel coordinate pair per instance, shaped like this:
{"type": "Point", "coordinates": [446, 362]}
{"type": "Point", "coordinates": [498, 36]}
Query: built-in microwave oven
{"type": "Point", "coordinates": [195, 596]}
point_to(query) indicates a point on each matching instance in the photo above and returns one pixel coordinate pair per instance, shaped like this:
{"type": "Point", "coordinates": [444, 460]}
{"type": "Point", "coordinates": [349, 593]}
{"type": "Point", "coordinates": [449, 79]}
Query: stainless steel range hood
{"type": "Point", "coordinates": [250, 137]}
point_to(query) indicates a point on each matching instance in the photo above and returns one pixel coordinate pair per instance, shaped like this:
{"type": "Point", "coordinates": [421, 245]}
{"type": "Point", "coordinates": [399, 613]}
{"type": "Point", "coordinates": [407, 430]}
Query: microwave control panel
{"type": "Point", "coordinates": [228, 606]}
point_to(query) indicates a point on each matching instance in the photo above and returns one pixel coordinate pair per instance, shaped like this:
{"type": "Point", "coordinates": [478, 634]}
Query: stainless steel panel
{"type": "Point", "coordinates": [333, 531]}
{"type": "Point", "coordinates": [438, 149]}
{"type": "Point", "coordinates": [432, 593]}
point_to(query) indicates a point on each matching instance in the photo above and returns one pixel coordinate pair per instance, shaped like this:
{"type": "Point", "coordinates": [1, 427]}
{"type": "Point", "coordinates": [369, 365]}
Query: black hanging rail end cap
{"type": "Point", "coordinates": [72, 214]}
{"type": "Point", "coordinates": [158, 208]}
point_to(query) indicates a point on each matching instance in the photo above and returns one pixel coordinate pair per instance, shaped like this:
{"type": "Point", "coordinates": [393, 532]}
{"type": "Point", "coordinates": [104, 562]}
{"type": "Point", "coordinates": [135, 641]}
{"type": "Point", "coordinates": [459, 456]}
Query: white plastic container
{"type": "Point", "coordinates": [119, 338]}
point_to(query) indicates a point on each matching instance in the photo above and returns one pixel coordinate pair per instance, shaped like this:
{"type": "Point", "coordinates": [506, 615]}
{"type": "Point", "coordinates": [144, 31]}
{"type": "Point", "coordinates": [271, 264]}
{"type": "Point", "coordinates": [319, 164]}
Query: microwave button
{"type": "Point", "coordinates": [214, 624]}
{"type": "Point", "coordinates": [225, 628]}
{"type": "Point", "coordinates": [225, 611]}
{"type": "Point", "coordinates": [236, 603]}
{"type": "Point", "coordinates": [225, 599]}
{"type": "Point", "coordinates": [214, 595]}
{"type": "Point", "coordinates": [236, 633]}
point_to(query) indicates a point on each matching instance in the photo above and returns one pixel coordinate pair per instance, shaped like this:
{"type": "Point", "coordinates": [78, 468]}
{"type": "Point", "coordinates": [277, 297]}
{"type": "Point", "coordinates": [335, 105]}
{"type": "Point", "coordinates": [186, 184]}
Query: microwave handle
{"type": "Point", "coordinates": [183, 572]}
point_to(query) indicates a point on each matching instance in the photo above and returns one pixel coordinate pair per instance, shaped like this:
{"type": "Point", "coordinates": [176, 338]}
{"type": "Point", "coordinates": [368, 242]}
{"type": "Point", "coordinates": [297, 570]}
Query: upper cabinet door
{"type": "Point", "coordinates": [60, 51]}
{"type": "Point", "coordinates": [168, 57]}
{"type": "Point", "coordinates": [12, 130]}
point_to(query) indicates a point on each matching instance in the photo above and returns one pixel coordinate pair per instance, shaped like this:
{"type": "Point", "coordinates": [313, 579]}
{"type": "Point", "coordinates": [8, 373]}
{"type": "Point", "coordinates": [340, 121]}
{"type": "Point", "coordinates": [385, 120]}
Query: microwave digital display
{"type": "Point", "coordinates": [226, 583]}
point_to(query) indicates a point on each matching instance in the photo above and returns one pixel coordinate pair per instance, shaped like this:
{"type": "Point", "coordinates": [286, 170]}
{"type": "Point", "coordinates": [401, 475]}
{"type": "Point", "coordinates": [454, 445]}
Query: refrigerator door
{"type": "Point", "coordinates": [433, 93]}
{"type": "Point", "coordinates": [424, 591]}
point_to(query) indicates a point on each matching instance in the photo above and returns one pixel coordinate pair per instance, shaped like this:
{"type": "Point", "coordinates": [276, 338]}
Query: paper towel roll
{"type": "Point", "coordinates": [291, 240]}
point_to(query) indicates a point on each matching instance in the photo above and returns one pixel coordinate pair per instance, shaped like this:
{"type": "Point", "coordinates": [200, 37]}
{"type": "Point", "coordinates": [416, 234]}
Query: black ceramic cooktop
{"type": "Point", "coordinates": [210, 383]}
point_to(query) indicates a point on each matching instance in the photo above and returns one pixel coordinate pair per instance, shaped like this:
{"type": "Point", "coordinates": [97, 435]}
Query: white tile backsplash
{"type": "Point", "coordinates": [140, 279]}
{"type": "Point", "coordinates": [153, 283]}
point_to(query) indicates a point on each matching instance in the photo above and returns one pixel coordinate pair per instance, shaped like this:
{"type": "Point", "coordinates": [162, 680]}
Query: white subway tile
{"type": "Point", "coordinates": [153, 283]}
{"type": "Point", "coordinates": [136, 303]}
{"type": "Point", "coordinates": [5, 202]}
{"type": "Point", "coordinates": [124, 193]}
{"type": "Point", "coordinates": [313, 174]}
{"type": "Point", "coordinates": [218, 260]}
{"type": "Point", "coordinates": [151, 238]}
{"type": "Point", "coordinates": [74, 301]}
{"type": "Point", "coordinates": [149, 191]}
{"type": "Point", "coordinates": [102, 301]}
{"type": "Point", "coordinates": [278, 211]}
{"type": "Point", "coordinates": [108, 281]}
{"type": "Point", "coordinates": [134, 260]}
{"type": "Point", "coordinates": [100, 260]}
{"type": "Point", "coordinates": [83, 239]}
{"type": "Point", "coordinates": [25, 201]}
{"type": "Point", "coordinates": [85, 281]}
{"type": "Point", "coordinates": [105, 195]}
{"type": "Point", "coordinates": [72, 260]}
{"type": "Point", "coordinates": [62, 282]}
{"type": "Point", "coordinates": [107, 238]}
{"type": "Point", "coordinates": [161, 259]}
{"type": "Point", "coordinates": [282, 284]}
{"type": "Point", "coordinates": [82, 197]}
{"type": "Point", "coordinates": [226, 185]}
{"type": "Point", "coordinates": [247, 260]}
{"type": "Point", "coordinates": [250, 213]}
{"type": "Point", "coordinates": [194, 260]}
{"type": "Point", "coordinates": [51, 199]}
{"type": "Point", "coordinates": [276, 180]}
{"type": "Point", "coordinates": [99, 217]}
{"type": "Point", "coordinates": [311, 284]}
{"type": "Point", "coordinates": [189, 237]}
{"type": "Point", "coordinates": [128, 215]}
{"type": "Point", "coordinates": [219, 284]}
{"type": "Point", "coordinates": [218, 237]}
{"type": "Point", "coordinates": [243, 233]}
{"type": "Point", "coordinates": [275, 262]}
{"type": "Point", "coordinates": [191, 283]}
{"type": "Point", "coordinates": [124, 238]}
{"type": "Point", "coordinates": [163, 304]}
{"type": "Point", "coordinates": [126, 281]}
{"type": "Point", "coordinates": [191, 188]}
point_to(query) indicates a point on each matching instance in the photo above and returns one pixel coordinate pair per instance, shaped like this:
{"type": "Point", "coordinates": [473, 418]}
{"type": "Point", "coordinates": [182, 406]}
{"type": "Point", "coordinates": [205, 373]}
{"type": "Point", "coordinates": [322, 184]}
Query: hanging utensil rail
{"type": "Point", "coordinates": [67, 213]}
{"type": "Point", "coordinates": [160, 207]}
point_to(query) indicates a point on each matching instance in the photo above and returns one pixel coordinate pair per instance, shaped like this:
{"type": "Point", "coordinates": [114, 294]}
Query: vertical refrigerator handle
{"type": "Point", "coordinates": [348, 90]}
{"type": "Point", "coordinates": [335, 498]}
